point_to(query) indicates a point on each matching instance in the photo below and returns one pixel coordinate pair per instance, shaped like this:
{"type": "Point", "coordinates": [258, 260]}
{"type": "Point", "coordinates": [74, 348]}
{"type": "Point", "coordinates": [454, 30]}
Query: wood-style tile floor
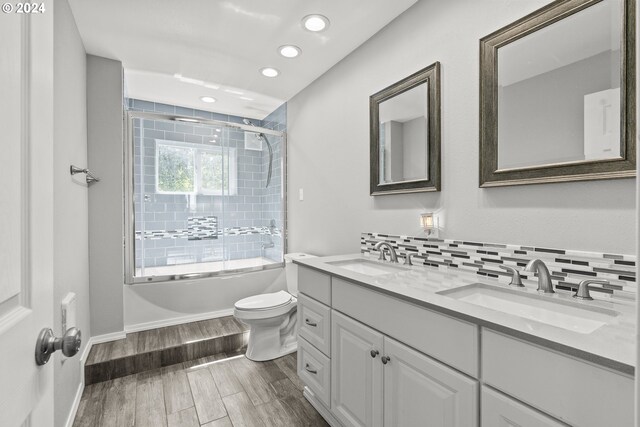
{"type": "Point", "coordinates": [216, 391]}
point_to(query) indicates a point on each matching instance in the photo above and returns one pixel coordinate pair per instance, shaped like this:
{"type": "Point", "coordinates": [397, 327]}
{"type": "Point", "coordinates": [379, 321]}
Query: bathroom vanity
{"type": "Point", "coordinates": [383, 344]}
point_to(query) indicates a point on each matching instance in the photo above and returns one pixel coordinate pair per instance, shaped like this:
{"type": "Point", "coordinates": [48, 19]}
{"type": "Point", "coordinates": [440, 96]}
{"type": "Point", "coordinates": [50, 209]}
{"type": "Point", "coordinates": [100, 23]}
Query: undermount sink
{"type": "Point", "coordinates": [370, 268]}
{"type": "Point", "coordinates": [541, 308]}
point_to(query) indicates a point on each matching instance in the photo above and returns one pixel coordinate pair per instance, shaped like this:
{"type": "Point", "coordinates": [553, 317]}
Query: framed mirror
{"type": "Point", "coordinates": [557, 95]}
{"type": "Point", "coordinates": [405, 135]}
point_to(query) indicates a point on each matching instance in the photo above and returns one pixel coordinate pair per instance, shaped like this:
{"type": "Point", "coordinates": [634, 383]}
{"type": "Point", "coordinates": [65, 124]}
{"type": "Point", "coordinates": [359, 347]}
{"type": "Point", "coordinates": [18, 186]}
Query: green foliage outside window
{"type": "Point", "coordinates": [193, 170]}
{"type": "Point", "coordinates": [211, 165]}
{"type": "Point", "coordinates": [176, 169]}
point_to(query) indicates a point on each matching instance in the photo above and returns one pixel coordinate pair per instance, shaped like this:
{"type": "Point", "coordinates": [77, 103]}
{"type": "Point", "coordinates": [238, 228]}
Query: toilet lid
{"type": "Point", "coordinates": [264, 301]}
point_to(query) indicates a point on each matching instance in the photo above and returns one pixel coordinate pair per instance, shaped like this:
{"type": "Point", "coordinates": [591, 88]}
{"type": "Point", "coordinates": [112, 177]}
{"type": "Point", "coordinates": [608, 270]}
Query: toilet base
{"type": "Point", "coordinates": [258, 354]}
{"type": "Point", "coordinates": [268, 341]}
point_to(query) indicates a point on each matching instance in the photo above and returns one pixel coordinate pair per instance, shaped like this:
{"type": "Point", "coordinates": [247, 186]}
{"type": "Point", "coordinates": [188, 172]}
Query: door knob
{"type": "Point", "coordinates": [47, 344]}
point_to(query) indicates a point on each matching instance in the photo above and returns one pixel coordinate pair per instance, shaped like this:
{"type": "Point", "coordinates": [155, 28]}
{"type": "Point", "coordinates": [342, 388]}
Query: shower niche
{"type": "Point", "coordinates": [201, 201]}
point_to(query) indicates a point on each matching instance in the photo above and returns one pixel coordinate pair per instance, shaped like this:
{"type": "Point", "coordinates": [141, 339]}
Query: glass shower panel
{"type": "Point", "coordinates": [207, 198]}
{"type": "Point", "coordinates": [272, 214]}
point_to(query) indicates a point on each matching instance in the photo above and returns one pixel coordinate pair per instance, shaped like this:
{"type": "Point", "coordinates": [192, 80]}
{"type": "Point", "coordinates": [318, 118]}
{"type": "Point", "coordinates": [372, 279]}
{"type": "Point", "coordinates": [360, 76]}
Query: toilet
{"type": "Point", "coordinates": [271, 317]}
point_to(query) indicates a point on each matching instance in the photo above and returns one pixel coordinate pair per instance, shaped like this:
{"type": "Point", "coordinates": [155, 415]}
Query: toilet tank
{"type": "Point", "coordinates": [291, 270]}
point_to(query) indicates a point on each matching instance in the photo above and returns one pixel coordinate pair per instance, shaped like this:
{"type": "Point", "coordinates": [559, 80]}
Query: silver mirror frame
{"type": "Point", "coordinates": [490, 175]}
{"type": "Point", "coordinates": [431, 76]}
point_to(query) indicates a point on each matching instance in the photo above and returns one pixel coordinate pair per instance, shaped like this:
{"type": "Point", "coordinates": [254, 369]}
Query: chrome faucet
{"type": "Point", "coordinates": [544, 278]}
{"type": "Point", "coordinates": [393, 257]}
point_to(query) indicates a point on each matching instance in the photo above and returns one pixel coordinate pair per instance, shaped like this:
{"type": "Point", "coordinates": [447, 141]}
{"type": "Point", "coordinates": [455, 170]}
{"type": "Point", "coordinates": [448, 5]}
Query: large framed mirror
{"type": "Point", "coordinates": [405, 134]}
{"type": "Point", "coordinates": [557, 95]}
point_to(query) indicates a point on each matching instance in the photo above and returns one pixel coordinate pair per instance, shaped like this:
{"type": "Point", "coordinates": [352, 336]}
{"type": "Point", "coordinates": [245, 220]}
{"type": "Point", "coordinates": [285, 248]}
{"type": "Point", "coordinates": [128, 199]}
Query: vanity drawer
{"type": "Point", "coordinates": [564, 387]}
{"type": "Point", "coordinates": [500, 410]}
{"type": "Point", "coordinates": [315, 323]}
{"type": "Point", "coordinates": [314, 284]}
{"type": "Point", "coordinates": [449, 340]}
{"type": "Point", "coordinates": [314, 369]}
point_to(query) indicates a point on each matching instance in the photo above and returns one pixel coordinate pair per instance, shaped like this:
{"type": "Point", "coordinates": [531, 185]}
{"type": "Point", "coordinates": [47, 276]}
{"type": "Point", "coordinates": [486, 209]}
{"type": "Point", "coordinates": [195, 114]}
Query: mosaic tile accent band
{"type": "Point", "coordinates": [181, 233]}
{"type": "Point", "coordinates": [567, 267]}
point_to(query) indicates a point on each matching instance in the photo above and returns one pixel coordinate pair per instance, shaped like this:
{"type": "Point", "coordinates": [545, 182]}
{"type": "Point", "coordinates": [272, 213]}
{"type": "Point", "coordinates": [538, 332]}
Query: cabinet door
{"type": "Point", "coordinates": [420, 391]}
{"type": "Point", "coordinates": [499, 410]}
{"type": "Point", "coordinates": [356, 376]}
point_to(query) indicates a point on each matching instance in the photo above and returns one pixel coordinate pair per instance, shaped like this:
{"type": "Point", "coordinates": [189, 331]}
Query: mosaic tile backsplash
{"type": "Point", "coordinates": [567, 267]}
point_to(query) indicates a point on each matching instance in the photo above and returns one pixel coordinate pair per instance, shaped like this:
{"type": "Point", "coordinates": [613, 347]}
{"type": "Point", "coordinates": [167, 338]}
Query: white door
{"type": "Point", "coordinates": [26, 213]}
{"type": "Point", "coordinates": [420, 391]}
{"type": "Point", "coordinates": [356, 373]}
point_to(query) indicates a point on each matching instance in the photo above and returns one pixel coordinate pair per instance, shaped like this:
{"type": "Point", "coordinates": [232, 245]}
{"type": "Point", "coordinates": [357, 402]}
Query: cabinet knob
{"type": "Point", "coordinates": [385, 359]}
{"type": "Point", "coordinates": [374, 353]}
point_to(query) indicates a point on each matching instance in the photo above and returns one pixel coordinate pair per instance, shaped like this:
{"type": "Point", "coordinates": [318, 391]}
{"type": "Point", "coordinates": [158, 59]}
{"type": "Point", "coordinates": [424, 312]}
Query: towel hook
{"type": "Point", "coordinates": [90, 178]}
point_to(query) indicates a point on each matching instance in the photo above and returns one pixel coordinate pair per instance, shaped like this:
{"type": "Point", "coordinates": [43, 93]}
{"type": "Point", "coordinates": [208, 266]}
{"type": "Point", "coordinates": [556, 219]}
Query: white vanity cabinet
{"type": "Point", "coordinates": [356, 372]}
{"type": "Point", "coordinates": [499, 410]}
{"type": "Point", "coordinates": [378, 381]}
{"type": "Point", "coordinates": [421, 391]}
{"type": "Point", "coordinates": [440, 370]}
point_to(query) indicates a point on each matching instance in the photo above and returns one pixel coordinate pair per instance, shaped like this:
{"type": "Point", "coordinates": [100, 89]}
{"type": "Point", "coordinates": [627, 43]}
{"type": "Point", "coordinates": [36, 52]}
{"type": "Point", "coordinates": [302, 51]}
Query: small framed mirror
{"type": "Point", "coordinates": [557, 95]}
{"type": "Point", "coordinates": [405, 134]}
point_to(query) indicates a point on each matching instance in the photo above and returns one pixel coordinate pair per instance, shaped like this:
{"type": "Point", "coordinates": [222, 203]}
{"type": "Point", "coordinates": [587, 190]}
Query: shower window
{"type": "Point", "coordinates": [188, 169]}
{"type": "Point", "coordinates": [201, 201]}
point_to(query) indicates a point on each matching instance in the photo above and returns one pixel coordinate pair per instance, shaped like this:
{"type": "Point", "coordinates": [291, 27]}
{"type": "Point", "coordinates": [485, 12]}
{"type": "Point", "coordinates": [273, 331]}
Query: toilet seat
{"type": "Point", "coordinates": [265, 305]}
{"type": "Point", "coordinates": [264, 301]}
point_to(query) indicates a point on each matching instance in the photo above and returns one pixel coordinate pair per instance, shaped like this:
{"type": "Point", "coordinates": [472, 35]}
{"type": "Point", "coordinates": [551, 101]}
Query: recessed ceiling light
{"type": "Point", "coordinates": [217, 130]}
{"type": "Point", "coordinates": [246, 98]}
{"type": "Point", "coordinates": [207, 99]}
{"type": "Point", "coordinates": [289, 51]}
{"type": "Point", "coordinates": [269, 72]}
{"type": "Point", "coordinates": [315, 23]}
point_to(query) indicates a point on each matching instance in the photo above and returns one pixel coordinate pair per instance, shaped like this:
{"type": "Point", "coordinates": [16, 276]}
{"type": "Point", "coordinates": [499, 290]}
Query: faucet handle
{"type": "Point", "coordinates": [407, 258]}
{"type": "Point", "coordinates": [515, 279]}
{"type": "Point", "coordinates": [583, 289]}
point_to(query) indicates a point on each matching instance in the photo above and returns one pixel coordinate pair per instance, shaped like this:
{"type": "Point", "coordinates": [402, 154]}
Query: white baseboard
{"type": "Point", "coordinates": [76, 401]}
{"type": "Point", "coordinates": [107, 337]}
{"type": "Point", "coordinates": [322, 410]}
{"type": "Point", "coordinates": [177, 320]}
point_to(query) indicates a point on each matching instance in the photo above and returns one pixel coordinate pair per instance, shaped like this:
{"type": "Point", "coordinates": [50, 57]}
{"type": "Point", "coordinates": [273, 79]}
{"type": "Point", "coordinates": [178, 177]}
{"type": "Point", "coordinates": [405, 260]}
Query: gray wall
{"type": "Point", "coordinates": [542, 118]}
{"type": "Point", "coordinates": [71, 251]}
{"type": "Point", "coordinates": [331, 162]}
{"type": "Point", "coordinates": [104, 127]}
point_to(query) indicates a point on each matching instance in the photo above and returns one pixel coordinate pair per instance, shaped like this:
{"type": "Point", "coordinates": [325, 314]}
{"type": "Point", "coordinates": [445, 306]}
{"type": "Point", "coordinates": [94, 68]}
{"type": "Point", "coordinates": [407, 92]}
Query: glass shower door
{"type": "Point", "coordinates": [201, 200]}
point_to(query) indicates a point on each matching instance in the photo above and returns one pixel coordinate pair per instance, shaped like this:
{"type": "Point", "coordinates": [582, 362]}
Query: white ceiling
{"type": "Point", "coordinates": [221, 44]}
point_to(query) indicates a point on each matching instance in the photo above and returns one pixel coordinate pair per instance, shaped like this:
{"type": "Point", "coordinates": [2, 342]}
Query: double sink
{"type": "Point", "coordinates": [555, 310]}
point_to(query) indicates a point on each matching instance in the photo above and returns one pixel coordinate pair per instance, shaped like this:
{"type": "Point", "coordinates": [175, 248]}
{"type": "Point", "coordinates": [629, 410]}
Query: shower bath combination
{"type": "Point", "coordinates": [198, 201]}
{"type": "Point", "coordinates": [263, 137]}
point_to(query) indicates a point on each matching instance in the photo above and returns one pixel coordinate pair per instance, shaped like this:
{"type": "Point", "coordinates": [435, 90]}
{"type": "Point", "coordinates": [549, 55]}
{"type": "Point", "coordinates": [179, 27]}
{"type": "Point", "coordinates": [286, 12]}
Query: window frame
{"type": "Point", "coordinates": [196, 150]}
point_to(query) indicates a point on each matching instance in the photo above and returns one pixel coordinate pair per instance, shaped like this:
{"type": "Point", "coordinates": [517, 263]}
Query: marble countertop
{"type": "Point", "coordinates": [612, 345]}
